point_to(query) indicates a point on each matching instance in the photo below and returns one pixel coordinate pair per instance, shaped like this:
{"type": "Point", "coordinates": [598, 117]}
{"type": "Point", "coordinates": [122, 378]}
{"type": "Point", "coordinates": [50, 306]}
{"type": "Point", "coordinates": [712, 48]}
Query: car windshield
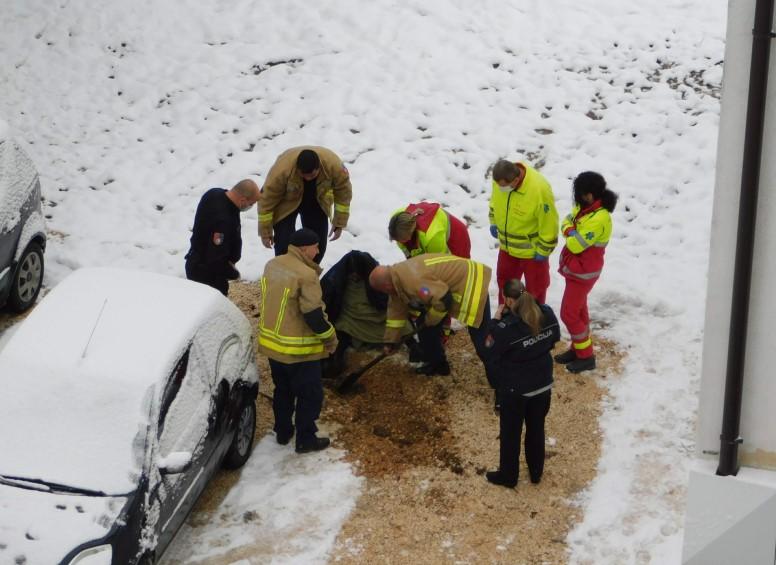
{"type": "Point", "coordinates": [70, 436]}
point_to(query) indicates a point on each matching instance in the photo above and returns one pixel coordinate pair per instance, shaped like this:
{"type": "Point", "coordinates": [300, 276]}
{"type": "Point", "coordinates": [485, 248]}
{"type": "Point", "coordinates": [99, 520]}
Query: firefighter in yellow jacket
{"type": "Point", "coordinates": [437, 285]}
{"type": "Point", "coordinates": [524, 219]}
{"type": "Point", "coordinates": [295, 334]}
{"type": "Point", "coordinates": [305, 181]}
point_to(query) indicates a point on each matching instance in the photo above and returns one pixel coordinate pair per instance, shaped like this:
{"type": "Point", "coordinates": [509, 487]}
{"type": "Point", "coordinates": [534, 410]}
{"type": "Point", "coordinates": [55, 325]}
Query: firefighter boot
{"type": "Point", "coordinates": [579, 365]}
{"type": "Point", "coordinates": [430, 369]}
{"type": "Point", "coordinates": [315, 444]}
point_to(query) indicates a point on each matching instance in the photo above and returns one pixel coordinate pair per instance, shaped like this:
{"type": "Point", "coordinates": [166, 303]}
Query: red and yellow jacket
{"type": "Point", "coordinates": [442, 285]}
{"type": "Point", "coordinates": [526, 217]}
{"type": "Point", "coordinates": [436, 231]}
{"type": "Point", "coordinates": [587, 232]}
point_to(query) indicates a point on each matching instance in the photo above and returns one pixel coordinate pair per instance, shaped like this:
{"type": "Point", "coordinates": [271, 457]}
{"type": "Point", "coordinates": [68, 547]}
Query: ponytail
{"type": "Point", "coordinates": [609, 199]}
{"type": "Point", "coordinates": [526, 307]}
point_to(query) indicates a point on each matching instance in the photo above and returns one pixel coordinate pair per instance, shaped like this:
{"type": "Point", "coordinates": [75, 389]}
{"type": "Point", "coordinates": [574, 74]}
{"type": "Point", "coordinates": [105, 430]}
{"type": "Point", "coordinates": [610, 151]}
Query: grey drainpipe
{"type": "Point", "coordinates": [747, 215]}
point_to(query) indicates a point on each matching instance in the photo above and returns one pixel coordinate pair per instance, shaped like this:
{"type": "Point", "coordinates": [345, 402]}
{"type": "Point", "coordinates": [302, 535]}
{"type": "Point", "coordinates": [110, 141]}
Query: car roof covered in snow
{"type": "Point", "coordinates": [125, 325]}
{"type": "Point", "coordinates": [77, 375]}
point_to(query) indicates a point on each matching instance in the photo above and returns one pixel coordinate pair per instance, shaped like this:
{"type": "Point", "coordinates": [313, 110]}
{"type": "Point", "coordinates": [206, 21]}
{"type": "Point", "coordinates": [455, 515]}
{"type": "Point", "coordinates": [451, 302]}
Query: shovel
{"type": "Point", "coordinates": [350, 379]}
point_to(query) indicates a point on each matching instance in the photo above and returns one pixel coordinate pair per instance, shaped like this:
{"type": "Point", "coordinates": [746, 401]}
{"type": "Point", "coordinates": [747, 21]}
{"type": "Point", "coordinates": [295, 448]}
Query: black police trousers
{"type": "Point", "coordinates": [298, 395]}
{"type": "Point", "coordinates": [515, 410]}
{"type": "Point", "coordinates": [200, 275]}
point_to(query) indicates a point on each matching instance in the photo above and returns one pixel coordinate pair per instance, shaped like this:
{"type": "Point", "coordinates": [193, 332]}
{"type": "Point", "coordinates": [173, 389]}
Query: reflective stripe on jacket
{"type": "Point", "coordinates": [282, 191]}
{"type": "Point", "coordinates": [289, 289]}
{"type": "Point", "coordinates": [587, 233]}
{"type": "Point", "coordinates": [436, 231]}
{"type": "Point", "coordinates": [526, 217]}
{"type": "Point", "coordinates": [440, 284]}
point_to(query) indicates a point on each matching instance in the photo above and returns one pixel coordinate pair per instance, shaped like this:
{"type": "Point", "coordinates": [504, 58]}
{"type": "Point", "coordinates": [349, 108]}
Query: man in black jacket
{"type": "Point", "coordinates": [216, 243]}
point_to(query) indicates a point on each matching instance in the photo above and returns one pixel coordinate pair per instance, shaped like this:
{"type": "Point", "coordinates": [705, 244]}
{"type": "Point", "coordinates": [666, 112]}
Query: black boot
{"type": "Point", "coordinates": [316, 444]}
{"type": "Point", "coordinates": [579, 365]}
{"type": "Point", "coordinates": [566, 357]}
{"type": "Point", "coordinates": [283, 439]}
{"type": "Point", "coordinates": [498, 478]}
{"type": "Point", "coordinates": [415, 351]}
{"type": "Point", "coordinates": [442, 368]}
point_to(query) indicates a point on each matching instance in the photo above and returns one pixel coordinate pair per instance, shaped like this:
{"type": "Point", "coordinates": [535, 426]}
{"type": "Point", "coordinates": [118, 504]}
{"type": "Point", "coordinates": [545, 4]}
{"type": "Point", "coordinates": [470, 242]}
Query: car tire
{"type": "Point", "coordinates": [245, 430]}
{"type": "Point", "coordinates": [27, 279]}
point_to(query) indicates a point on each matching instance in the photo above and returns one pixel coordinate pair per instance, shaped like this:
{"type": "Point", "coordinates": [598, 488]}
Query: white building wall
{"type": "Point", "coordinates": [733, 519]}
{"type": "Point", "coordinates": [758, 424]}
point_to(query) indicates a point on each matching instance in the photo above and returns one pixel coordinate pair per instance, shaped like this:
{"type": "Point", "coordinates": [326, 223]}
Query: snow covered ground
{"type": "Point", "coordinates": [132, 109]}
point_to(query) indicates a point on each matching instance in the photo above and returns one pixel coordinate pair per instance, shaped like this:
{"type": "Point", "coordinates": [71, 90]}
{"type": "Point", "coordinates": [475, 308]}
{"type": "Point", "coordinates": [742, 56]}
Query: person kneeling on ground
{"type": "Point", "coordinates": [442, 285]}
{"type": "Point", "coordinates": [295, 334]}
{"type": "Point", "coordinates": [356, 309]}
{"type": "Point", "coordinates": [521, 337]}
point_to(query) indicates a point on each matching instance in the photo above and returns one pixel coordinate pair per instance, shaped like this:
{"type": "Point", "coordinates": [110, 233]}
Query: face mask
{"type": "Point", "coordinates": [506, 188]}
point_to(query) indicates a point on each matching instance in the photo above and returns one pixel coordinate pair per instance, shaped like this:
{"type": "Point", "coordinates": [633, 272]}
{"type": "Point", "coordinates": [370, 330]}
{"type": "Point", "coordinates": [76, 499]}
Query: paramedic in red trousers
{"type": "Point", "coordinates": [295, 334]}
{"type": "Point", "coordinates": [307, 182]}
{"type": "Point", "coordinates": [440, 285]}
{"type": "Point", "coordinates": [587, 230]}
{"type": "Point", "coordinates": [520, 339]}
{"type": "Point", "coordinates": [524, 219]}
{"type": "Point", "coordinates": [216, 241]}
{"type": "Point", "coordinates": [426, 227]}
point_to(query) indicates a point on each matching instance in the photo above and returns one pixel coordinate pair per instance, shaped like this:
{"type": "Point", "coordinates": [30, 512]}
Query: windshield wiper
{"type": "Point", "coordinates": [48, 486]}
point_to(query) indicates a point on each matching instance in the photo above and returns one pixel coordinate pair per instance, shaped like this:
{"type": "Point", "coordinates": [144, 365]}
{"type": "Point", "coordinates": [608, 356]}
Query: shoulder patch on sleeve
{"type": "Point", "coordinates": [218, 238]}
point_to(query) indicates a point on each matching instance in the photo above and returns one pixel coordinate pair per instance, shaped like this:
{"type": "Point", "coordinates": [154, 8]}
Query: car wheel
{"type": "Point", "coordinates": [28, 279]}
{"type": "Point", "coordinates": [242, 444]}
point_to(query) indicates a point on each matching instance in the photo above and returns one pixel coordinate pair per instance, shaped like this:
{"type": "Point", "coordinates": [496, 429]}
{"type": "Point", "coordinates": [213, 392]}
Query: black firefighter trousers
{"type": "Point", "coordinates": [298, 394]}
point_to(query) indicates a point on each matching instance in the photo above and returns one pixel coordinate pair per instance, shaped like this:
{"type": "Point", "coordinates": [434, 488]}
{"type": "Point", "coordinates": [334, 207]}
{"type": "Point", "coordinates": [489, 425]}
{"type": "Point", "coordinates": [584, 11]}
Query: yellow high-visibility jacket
{"type": "Point", "coordinates": [587, 232]}
{"type": "Point", "coordinates": [426, 280]}
{"type": "Point", "coordinates": [282, 191]}
{"type": "Point", "coordinates": [526, 217]}
{"type": "Point", "coordinates": [290, 288]}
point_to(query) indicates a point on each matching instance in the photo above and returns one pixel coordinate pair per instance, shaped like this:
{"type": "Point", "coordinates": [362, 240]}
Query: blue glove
{"type": "Point", "coordinates": [538, 257]}
{"type": "Point", "coordinates": [494, 231]}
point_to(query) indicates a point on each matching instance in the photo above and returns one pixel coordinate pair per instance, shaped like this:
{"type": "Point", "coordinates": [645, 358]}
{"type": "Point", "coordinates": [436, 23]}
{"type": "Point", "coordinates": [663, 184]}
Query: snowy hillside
{"type": "Point", "coordinates": [132, 109]}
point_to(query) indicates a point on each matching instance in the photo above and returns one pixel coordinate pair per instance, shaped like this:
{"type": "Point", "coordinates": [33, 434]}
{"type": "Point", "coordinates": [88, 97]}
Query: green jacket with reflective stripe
{"type": "Point", "coordinates": [526, 217]}
{"type": "Point", "coordinates": [587, 233]}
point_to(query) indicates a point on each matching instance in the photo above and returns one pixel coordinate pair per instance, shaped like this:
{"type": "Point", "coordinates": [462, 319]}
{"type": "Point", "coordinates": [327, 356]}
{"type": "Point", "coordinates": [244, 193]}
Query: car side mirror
{"type": "Point", "coordinates": [175, 463]}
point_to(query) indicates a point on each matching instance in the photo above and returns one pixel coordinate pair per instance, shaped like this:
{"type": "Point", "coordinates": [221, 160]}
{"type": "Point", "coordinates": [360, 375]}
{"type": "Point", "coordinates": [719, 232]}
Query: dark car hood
{"type": "Point", "coordinates": [43, 527]}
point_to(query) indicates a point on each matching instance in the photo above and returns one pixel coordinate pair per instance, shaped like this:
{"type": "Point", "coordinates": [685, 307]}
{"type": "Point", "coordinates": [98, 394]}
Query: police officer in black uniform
{"type": "Point", "coordinates": [521, 337]}
{"type": "Point", "coordinates": [216, 243]}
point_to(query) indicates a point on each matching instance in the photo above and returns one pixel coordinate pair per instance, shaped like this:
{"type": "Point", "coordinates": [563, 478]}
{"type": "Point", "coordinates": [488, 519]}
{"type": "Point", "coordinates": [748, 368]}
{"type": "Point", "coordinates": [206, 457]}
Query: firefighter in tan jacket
{"type": "Point", "coordinates": [295, 334]}
{"type": "Point", "coordinates": [305, 181]}
{"type": "Point", "coordinates": [437, 285]}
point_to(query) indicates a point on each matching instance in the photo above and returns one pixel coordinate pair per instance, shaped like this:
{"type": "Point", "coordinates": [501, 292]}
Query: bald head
{"type": "Point", "coordinates": [244, 194]}
{"type": "Point", "coordinates": [380, 279]}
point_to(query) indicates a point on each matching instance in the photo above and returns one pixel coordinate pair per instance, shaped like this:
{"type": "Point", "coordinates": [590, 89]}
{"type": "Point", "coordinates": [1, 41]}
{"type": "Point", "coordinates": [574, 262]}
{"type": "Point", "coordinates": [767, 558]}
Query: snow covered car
{"type": "Point", "coordinates": [122, 394]}
{"type": "Point", "coordinates": [22, 231]}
